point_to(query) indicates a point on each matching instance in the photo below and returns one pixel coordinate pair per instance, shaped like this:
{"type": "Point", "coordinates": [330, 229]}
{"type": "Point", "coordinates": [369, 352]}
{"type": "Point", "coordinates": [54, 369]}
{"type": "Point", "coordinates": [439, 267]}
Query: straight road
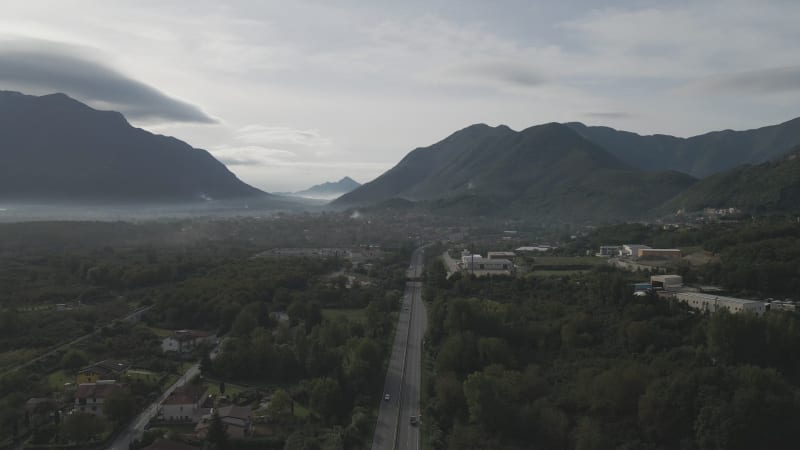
{"type": "Point", "coordinates": [394, 430]}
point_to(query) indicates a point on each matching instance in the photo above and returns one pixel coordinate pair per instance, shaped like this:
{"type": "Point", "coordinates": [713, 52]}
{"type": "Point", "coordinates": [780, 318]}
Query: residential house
{"type": "Point", "coordinates": [185, 341]}
{"type": "Point", "coordinates": [237, 420]}
{"type": "Point", "coordinates": [104, 370]}
{"type": "Point", "coordinates": [184, 404]}
{"type": "Point", "coordinates": [90, 398]}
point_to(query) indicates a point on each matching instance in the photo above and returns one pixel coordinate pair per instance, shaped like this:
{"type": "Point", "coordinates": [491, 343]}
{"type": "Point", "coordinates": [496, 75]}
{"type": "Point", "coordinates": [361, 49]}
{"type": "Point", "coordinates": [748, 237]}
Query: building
{"type": "Point", "coordinates": [632, 250]}
{"type": "Point", "coordinates": [658, 253]}
{"type": "Point", "coordinates": [778, 305]}
{"type": "Point", "coordinates": [642, 287]}
{"type": "Point", "coordinates": [488, 264]}
{"type": "Point", "coordinates": [237, 420]}
{"type": "Point", "coordinates": [714, 303]}
{"type": "Point", "coordinates": [104, 370]}
{"type": "Point", "coordinates": [184, 404]}
{"type": "Point", "coordinates": [608, 251]}
{"type": "Point", "coordinates": [534, 248]}
{"type": "Point", "coordinates": [91, 397]}
{"type": "Point", "coordinates": [185, 341]}
{"type": "Point", "coordinates": [666, 282]}
{"type": "Point", "coordinates": [500, 255]}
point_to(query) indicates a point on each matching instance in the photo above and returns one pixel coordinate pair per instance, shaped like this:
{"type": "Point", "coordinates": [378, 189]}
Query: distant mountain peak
{"type": "Point", "coordinates": [329, 190]}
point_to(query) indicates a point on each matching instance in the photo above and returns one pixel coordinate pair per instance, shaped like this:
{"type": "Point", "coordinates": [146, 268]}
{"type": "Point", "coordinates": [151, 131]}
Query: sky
{"type": "Point", "coordinates": [293, 93]}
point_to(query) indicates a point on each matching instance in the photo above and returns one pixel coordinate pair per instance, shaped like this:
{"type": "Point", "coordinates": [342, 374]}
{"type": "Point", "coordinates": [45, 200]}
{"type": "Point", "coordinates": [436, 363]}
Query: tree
{"type": "Point", "coordinates": [74, 359]}
{"type": "Point", "coordinates": [119, 406]}
{"type": "Point", "coordinates": [326, 398]}
{"type": "Point", "coordinates": [216, 432]}
{"type": "Point", "coordinates": [80, 427]}
{"type": "Point", "coordinates": [280, 406]}
{"type": "Point", "coordinates": [222, 388]}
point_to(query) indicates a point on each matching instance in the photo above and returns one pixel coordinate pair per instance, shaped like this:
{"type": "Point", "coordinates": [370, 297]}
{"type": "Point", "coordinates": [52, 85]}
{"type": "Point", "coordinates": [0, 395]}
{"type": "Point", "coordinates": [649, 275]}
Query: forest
{"type": "Point", "coordinates": [578, 362]}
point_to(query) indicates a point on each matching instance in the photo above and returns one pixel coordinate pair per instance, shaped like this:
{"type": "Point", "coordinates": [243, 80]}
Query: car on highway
{"type": "Point", "coordinates": [413, 420]}
{"type": "Point", "coordinates": [387, 397]}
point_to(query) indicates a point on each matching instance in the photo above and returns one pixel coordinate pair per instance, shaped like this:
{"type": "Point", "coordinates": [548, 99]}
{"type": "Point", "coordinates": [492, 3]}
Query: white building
{"type": "Point", "coordinates": [488, 264]}
{"type": "Point", "coordinates": [667, 282]}
{"type": "Point", "coordinates": [500, 255]}
{"type": "Point", "coordinates": [632, 250]}
{"type": "Point", "coordinates": [90, 398]}
{"type": "Point", "coordinates": [608, 251]}
{"type": "Point", "coordinates": [185, 341]}
{"type": "Point", "coordinates": [714, 303]}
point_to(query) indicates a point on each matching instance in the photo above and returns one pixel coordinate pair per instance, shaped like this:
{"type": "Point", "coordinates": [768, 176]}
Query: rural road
{"type": "Point", "coordinates": [394, 430]}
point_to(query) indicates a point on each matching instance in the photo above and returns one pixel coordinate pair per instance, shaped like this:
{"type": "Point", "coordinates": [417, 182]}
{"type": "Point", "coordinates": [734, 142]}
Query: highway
{"type": "Point", "coordinates": [403, 377]}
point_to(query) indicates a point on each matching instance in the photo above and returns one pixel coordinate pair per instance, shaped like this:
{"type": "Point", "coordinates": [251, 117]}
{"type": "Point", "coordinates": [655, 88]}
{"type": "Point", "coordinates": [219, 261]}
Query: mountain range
{"type": "Point", "coordinates": [575, 172]}
{"type": "Point", "coordinates": [546, 171]}
{"type": "Point", "coordinates": [328, 190]}
{"type": "Point", "coordinates": [55, 148]}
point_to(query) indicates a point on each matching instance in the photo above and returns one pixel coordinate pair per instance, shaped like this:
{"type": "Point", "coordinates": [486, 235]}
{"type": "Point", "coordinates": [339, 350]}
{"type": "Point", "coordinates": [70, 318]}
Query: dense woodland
{"type": "Point", "coordinates": [578, 362]}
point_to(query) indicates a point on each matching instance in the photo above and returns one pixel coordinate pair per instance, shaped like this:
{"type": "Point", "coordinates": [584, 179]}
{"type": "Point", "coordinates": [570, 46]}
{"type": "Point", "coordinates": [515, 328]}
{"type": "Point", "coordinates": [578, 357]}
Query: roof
{"type": "Point", "coordinates": [711, 298]}
{"type": "Point", "coordinates": [107, 367]}
{"type": "Point", "coordinates": [164, 444]}
{"type": "Point", "coordinates": [95, 390]}
{"type": "Point", "coordinates": [235, 412]}
{"type": "Point", "coordinates": [185, 395]}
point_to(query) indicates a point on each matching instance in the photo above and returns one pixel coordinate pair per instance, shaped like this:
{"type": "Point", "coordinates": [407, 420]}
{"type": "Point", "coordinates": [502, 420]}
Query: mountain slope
{"type": "Point", "coordinates": [767, 187]}
{"type": "Point", "coordinates": [55, 148]}
{"type": "Point", "coordinates": [699, 156]}
{"type": "Point", "coordinates": [329, 189]}
{"type": "Point", "coordinates": [543, 171]}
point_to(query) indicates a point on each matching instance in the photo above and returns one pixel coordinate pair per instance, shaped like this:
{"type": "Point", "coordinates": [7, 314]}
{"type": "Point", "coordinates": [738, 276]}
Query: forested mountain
{"type": "Point", "coordinates": [701, 155]}
{"type": "Point", "coordinates": [54, 148]}
{"type": "Point", "coordinates": [767, 187]}
{"type": "Point", "coordinates": [544, 171]}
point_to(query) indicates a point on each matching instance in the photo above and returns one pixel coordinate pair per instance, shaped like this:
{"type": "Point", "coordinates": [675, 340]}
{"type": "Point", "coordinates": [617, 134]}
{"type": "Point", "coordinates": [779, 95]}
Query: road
{"type": "Point", "coordinates": [135, 429]}
{"type": "Point", "coordinates": [403, 377]}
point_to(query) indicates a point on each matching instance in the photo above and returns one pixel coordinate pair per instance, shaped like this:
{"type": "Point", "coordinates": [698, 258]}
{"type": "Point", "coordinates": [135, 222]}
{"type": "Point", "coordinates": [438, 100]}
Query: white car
{"type": "Point", "coordinates": [387, 397]}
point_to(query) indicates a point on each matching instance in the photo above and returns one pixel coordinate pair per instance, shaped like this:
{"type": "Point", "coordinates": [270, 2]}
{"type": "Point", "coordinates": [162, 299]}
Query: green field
{"type": "Point", "coordinates": [555, 273]}
{"type": "Point", "coordinates": [567, 260]}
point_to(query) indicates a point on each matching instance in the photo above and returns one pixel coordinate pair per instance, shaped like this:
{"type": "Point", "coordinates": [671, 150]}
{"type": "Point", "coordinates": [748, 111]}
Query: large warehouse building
{"type": "Point", "coordinates": [714, 303]}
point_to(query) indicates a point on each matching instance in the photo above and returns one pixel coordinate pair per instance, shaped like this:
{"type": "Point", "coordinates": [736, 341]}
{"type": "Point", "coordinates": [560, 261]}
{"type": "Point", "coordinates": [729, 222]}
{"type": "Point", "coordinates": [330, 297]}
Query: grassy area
{"type": "Point", "coordinates": [13, 357]}
{"type": "Point", "coordinates": [567, 260]}
{"type": "Point", "coordinates": [230, 388]}
{"type": "Point", "coordinates": [355, 314]}
{"type": "Point", "coordinates": [58, 378]}
{"type": "Point", "coordinates": [555, 273]}
{"type": "Point", "coordinates": [160, 332]}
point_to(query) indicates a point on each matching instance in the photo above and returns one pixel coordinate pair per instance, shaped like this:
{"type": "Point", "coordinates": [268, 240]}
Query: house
{"type": "Point", "coordinates": [90, 398]}
{"type": "Point", "coordinates": [104, 370]}
{"type": "Point", "coordinates": [165, 444]}
{"type": "Point", "coordinates": [237, 420]}
{"type": "Point", "coordinates": [184, 404]}
{"type": "Point", "coordinates": [185, 341]}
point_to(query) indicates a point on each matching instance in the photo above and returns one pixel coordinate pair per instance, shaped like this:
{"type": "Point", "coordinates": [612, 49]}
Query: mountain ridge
{"type": "Point", "coordinates": [53, 147]}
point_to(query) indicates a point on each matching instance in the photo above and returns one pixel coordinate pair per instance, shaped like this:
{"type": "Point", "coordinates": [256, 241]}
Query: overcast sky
{"type": "Point", "coordinates": [293, 93]}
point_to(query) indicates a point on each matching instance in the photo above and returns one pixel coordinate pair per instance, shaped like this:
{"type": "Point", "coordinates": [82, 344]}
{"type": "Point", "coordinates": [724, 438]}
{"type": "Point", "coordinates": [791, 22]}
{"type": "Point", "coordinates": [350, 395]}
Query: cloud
{"type": "Point", "coordinates": [44, 67]}
{"type": "Point", "coordinates": [764, 81]}
{"type": "Point", "coordinates": [496, 73]}
{"type": "Point", "coordinates": [609, 115]}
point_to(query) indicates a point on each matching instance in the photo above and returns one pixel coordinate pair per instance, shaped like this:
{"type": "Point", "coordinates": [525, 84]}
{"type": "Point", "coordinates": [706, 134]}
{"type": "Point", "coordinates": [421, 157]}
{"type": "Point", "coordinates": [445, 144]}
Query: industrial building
{"type": "Point", "coordinates": [608, 251]}
{"type": "Point", "coordinates": [500, 255]}
{"type": "Point", "coordinates": [488, 264]}
{"type": "Point", "coordinates": [714, 303]}
{"type": "Point", "coordinates": [667, 282]}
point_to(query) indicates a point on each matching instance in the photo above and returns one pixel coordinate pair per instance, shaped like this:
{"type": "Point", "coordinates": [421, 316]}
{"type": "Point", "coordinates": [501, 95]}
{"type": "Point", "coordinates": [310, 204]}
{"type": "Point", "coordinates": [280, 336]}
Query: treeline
{"type": "Point", "coordinates": [579, 363]}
